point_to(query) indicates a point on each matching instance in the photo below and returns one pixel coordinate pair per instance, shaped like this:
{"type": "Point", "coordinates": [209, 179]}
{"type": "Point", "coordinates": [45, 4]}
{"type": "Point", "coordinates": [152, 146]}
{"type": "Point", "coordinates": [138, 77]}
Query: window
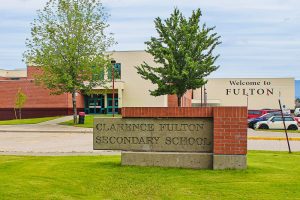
{"type": "Point", "coordinates": [117, 71]}
{"type": "Point", "coordinates": [254, 112]}
{"type": "Point", "coordinates": [277, 119]}
{"type": "Point", "coordinates": [289, 119]}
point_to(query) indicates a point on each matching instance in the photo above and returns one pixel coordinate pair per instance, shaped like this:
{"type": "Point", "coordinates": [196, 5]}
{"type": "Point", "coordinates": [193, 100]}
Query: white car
{"type": "Point", "coordinates": [276, 122]}
{"type": "Point", "coordinates": [297, 112]}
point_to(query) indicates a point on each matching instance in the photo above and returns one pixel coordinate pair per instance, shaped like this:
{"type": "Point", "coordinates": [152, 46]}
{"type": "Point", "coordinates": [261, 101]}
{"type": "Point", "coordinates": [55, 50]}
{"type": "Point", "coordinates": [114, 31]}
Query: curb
{"type": "Point", "coordinates": [72, 153]}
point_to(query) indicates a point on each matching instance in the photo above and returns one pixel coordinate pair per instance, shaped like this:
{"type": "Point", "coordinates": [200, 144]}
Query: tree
{"type": "Point", "coordinates": [19, 102]}
{"type": "Point", "coordinates": [68, 42]}
{"type": "Point", "coordinates": [183, 52]}
{"type": "Point", "coordinates": [297, 101]}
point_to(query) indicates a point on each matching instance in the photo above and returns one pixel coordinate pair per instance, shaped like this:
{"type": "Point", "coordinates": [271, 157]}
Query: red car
{"type": "Point", "coordinates": [257, 113]}
{"type": "Point", "coordinates": [297, 119]}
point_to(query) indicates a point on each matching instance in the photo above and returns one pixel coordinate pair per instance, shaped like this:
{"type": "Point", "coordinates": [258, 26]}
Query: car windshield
{"type": "Point", "coordinates": [267, 115]}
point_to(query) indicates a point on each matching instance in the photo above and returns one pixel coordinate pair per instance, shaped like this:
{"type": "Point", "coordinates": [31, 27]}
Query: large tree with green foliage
{"type": "Point", "coordinates": [183, 52]}
{"type": "Point", "coordinates": [68, 42]}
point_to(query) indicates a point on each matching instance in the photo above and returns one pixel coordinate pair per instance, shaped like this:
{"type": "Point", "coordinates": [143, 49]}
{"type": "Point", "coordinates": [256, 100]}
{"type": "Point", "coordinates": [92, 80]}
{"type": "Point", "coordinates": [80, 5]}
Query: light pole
{"type": "Point", "coordinates": [113, 62]}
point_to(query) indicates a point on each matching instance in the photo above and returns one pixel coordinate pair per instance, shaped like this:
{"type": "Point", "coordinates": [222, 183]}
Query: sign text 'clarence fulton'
{"type": "Point", "coordinates": [150, 134]}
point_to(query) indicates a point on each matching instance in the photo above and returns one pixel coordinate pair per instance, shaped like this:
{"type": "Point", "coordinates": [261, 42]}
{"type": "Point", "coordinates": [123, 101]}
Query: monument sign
{"type": "Point", "coordinates": [200, 138]}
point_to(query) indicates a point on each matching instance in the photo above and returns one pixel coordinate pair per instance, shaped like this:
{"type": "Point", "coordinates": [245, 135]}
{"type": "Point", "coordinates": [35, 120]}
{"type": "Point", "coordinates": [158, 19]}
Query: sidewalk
{"type": "Point", "coordinates": [51, 126]}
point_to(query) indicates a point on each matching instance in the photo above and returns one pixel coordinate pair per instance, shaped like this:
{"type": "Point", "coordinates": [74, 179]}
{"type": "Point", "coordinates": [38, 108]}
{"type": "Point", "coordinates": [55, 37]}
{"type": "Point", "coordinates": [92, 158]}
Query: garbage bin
{"type": "Point", "coordinates": [81, 117]}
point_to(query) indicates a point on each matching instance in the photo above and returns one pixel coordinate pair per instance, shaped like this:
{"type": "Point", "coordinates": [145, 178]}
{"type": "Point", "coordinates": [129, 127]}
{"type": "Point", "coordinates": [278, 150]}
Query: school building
{"type": "Point", "coordinates": [133, 91]}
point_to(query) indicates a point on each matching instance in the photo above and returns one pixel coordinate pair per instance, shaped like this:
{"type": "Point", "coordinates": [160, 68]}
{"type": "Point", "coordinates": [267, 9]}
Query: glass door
{"type": "Point", "coordinates": [95, 104]}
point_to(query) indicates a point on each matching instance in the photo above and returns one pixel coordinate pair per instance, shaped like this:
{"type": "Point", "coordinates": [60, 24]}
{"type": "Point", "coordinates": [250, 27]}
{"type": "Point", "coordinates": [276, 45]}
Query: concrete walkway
{"type": "Point", "coordinates": [57, 120]}
{"type": "Point", "coordinates": [51, 126]}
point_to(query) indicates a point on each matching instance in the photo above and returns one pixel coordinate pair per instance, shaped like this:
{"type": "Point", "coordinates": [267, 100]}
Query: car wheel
{"type": "Point", "coordinates": [251, 125]}
{"type": "Point", "coordinates": [263, 126]}
{"type": "Point", "coordinates": [292, 127]}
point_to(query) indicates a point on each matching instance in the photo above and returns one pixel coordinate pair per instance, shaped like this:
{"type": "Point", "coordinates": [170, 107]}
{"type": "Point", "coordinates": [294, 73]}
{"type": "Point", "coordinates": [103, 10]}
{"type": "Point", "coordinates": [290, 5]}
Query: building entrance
{"type": "Point", "coordinates": [94, 104]}
{"type": "Point", "coordinates": [110, 104]}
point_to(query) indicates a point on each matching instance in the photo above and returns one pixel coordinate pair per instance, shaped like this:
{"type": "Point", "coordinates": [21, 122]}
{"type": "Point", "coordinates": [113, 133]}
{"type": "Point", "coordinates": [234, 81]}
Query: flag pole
{"type": "Point", "coordinates": [283, 120]}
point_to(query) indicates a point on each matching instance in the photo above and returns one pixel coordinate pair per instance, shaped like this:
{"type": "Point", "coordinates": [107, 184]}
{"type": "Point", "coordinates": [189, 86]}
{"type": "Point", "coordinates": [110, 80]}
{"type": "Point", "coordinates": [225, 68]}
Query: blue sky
{"type": "Point", "coordinates": [260, 38]}
{"type": "Point", "coordinates": [297, 88]}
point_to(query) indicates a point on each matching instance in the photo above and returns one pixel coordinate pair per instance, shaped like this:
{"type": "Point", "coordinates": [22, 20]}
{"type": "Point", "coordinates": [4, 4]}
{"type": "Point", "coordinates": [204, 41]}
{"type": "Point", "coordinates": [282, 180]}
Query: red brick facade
{"type": "Point", "coordinates": [186, 100]}
{"type": "Point", "coordinates": [39, 101]}
{"type": "Point", "coordinates": [230, 124]}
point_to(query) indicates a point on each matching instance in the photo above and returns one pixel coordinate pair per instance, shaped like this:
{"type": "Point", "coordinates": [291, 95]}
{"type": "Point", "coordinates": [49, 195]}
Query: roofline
{"type": "Point", "coordinates": [20, 69]}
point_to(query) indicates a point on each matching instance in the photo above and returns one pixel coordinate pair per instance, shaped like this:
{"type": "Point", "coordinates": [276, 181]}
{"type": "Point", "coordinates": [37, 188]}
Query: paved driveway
{"type": "Point", "coordinates": [35, 142]}
{"type": "Point", "coordinates": [48, 138]}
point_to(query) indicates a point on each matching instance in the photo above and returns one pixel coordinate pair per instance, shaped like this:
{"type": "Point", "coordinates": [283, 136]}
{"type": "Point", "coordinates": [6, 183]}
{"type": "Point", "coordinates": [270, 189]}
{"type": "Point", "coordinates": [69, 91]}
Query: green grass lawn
{"type": "Point", "coordinates": [270, 175]}
{"type": "Point", "coordinates": [26, 121]}
{"type": "Point", "coordinates": [88, 121]}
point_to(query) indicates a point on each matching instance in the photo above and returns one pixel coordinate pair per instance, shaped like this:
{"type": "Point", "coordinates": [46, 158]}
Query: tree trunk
{"type": "Point", "coordinates": [20, 114]}
{"type": "Point", "coordinates": [179, 100]}
{"type": "Point", "coordinates": [15, 113]}
{"type": "Point", "coordinates": [74, 107]}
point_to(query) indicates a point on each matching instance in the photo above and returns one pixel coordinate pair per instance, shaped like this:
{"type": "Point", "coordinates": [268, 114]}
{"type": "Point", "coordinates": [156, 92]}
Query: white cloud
{"type": "Point", "coordinates": [21, 5]}
{"type": "Point", "coordinates": [260, 37]}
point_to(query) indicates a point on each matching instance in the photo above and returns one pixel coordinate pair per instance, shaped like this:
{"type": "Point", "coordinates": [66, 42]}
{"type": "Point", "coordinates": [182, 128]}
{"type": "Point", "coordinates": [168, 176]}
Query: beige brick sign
{"type": "Point", "coordinates": [152, 134]}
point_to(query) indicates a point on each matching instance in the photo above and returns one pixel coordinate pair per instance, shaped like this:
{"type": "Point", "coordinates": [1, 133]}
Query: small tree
{"type": "Point", "coordinates": [19, 102]}
{"type": "Point", "coordinates": [68, 42]}
{"type": "Point", "coordinates": [184, 50]}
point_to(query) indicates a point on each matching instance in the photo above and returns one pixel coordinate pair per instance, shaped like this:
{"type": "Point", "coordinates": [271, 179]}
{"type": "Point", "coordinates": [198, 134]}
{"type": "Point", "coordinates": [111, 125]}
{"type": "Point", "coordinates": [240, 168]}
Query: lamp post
{"type": "Point", "coordinates": [113, 62]}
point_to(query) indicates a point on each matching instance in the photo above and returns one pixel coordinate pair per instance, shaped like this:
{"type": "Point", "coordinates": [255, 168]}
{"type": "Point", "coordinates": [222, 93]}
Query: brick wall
{"type": "Point", "coordinates": [230, 130]}
{"type": "Point", "coordinates": [32, 71]}
{"type": "Point", "coordinates": [186, 100]}
{"type": "Point", "coordinates": [230, 124]}
{"type": "Point", "coordinates": [39, 102]}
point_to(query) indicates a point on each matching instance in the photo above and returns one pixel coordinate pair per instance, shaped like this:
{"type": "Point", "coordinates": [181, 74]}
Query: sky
{"type": "Point", "coordinates": [297, 88]}
{"type": "Point", "coordinates": [260, 38]}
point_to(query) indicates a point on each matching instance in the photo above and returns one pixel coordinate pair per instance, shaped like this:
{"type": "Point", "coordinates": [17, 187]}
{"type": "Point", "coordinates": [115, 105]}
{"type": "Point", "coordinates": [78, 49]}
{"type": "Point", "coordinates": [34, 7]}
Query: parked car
{"type": "Point", "coordinates": [257, 113]}
{"type": "Point", "coordinates": [265, 117]}
{"type": "Point", "coordinates": [297, 112]}
{"type": "Point", "coordinates": [276, 122]}
{"type": "Point", "coordinates": [297, 119]}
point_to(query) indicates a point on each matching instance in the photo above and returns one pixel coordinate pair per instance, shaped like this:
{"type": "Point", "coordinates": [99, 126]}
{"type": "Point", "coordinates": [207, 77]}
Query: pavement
{"type": "Point", "coordinates": [51, 126]}
{"type": "Point", "coordinates": [272, 141]}
{"type": "Point", "coordinates": [49, 138]}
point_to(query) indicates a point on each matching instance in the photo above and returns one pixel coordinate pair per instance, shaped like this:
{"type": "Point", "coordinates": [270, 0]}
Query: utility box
{"type": "Point", "coordinates": [81, 117]}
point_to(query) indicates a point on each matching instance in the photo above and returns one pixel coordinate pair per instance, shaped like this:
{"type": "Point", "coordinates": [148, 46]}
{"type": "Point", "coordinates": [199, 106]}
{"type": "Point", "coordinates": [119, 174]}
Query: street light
{"type": "Point", "coordinates": [113, 62]}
